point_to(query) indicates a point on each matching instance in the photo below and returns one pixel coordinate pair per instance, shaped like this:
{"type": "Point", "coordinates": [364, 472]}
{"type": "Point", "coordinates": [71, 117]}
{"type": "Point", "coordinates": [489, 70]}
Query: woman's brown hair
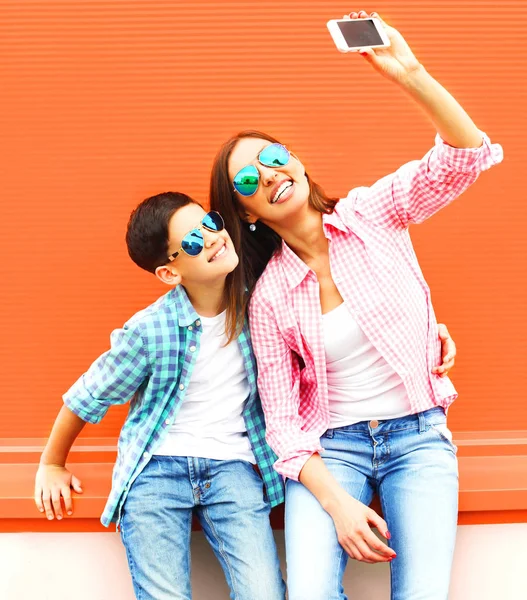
{"type": "Point", "coordinates": [254, 248]}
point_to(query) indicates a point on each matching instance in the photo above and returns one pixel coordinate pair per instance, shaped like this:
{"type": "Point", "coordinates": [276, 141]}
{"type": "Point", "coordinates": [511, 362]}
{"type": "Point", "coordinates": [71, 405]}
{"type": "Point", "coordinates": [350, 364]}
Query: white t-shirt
{"type": "Point", "coordinates": [210, 422]}
{"type": "Point", "coordinates": [361, 384]}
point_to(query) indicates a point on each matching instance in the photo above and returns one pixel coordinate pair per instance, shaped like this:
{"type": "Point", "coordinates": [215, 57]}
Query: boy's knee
{"type": "Point", "coordinates": [266, 587]}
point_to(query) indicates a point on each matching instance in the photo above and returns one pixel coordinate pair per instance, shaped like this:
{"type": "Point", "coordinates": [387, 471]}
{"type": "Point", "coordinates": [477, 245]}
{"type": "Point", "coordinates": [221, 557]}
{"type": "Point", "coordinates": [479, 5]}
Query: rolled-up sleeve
{"type": "Point", "coordinates": [112, 379]}
{"type": "Point", "coordinates": [279, 387]}
{"type": "Point", "coordinates": [420, 188]}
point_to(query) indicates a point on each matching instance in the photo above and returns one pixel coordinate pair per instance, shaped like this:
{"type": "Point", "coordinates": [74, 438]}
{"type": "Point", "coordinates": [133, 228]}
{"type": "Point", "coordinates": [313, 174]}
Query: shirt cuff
{"type": "Point", "coordinates": [81, 403]}
{"type": "Point", "coordinates": [290, 467]}
{"type": "Point", "coordinates": [469, 160]}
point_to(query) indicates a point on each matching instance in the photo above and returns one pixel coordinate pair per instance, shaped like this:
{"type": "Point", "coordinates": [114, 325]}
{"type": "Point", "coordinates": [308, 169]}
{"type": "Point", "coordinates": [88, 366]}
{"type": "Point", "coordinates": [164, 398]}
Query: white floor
{"type": "Point", "coordinates": [490, 564]}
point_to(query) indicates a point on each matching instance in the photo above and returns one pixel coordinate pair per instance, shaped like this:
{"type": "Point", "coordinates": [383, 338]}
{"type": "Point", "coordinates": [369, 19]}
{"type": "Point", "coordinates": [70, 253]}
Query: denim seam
{"type": "Point", "coordinates": [207, 475]}
{"type": "Point", "coordinates": [451, 444]}
{"type": "Point", "coordinates": [340, 569]}
{"type": "Point", "coordinates": [131, 563]}
{"type": "Point", "coordinates": [191, 471]}
{"type": "Point", "coordinates": [221, 550]}
{"type": "Point", "coordinates": [366, 432]}
{"type": "Point", "coordinates": [359, 495]}
{"type": "Point", "coordinates": [383, 508]}
{"type": "Point", "coordinates": [387, 455]}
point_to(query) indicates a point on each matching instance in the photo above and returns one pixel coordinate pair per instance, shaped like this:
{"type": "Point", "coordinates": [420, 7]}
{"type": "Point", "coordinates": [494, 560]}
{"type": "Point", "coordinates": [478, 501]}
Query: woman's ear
{"type": "Point", "coordinates": [168, 274]}
{"type": "Point", "coordinates": [245, 216]}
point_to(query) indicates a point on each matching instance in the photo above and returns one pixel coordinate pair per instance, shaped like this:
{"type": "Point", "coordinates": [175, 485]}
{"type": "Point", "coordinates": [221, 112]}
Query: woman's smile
{"type": "Point", "coordinates": [282, 191]}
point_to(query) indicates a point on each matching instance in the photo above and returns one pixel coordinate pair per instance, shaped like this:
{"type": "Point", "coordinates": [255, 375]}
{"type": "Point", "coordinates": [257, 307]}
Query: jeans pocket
{"type": "Point", "coordinates": [443, 432]}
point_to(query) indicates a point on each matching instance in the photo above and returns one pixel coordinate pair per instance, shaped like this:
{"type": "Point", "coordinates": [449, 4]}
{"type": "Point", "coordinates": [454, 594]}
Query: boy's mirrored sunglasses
{"type": "Point", "coordinates": [247, 179]}
{"type": "Point", "coordinates": [193, 242]}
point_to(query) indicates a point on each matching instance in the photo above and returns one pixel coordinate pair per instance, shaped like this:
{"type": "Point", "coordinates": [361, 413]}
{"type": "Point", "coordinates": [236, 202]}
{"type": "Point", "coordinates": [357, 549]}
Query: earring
{"type": "Point", "coordinates": [252, 227]}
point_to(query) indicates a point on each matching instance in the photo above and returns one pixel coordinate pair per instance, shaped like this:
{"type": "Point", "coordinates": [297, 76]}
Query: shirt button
{"type": "Point", "coordinates": [190, 327]}
{"type": "Point", "coordinates": [198, 323]}
{"type": "Point", "coordinates": [181, 386]}
{"type": "Point", "coordinates": [145, 455]}
{"type": "Point", "coordinates": [337, 280]}
{"type": "Point", "coordinates": [167, 422]}
{"type": "Point", "coordinates": [192, 348]}
{"type": "Point", "coordinates": [374, 424]}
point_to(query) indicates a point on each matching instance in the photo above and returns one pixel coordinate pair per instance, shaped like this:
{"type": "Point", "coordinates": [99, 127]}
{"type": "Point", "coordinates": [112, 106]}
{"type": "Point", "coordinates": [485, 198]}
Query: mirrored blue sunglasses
{"type": "Point", "coordinates": [193, 242]}
{"type": "Point", "coordinates": [247, 179]}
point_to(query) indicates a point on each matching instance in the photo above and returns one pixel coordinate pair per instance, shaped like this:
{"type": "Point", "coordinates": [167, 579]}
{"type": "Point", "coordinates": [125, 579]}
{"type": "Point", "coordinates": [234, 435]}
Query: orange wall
{"type": "Point", "coordinates": [106, 102]}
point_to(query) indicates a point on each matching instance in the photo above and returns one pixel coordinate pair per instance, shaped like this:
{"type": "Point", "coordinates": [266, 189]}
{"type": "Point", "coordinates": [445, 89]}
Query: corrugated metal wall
{"type": "Point", "coordinates": [106, 102]}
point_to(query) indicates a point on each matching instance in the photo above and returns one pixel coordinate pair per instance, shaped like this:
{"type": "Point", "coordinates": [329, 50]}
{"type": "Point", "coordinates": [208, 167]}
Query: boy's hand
{"type": "Point", "coordinates": [395, 62]}
{"type": "Point", "coordinates": [51, 483]}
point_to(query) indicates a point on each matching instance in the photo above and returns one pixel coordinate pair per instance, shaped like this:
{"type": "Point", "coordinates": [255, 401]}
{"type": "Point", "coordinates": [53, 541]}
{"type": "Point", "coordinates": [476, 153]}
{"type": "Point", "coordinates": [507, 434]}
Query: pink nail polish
{"type": "Point", "coordinates": [388, 535]}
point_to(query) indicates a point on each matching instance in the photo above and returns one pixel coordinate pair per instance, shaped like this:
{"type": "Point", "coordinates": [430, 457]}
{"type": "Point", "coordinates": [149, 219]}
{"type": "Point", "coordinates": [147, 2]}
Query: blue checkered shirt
{"type": "Point", "coordinates": [150, 362]}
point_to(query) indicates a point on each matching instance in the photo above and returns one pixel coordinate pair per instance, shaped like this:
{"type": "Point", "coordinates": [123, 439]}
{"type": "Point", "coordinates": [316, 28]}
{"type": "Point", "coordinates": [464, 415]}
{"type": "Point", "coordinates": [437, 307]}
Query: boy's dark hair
{"type": "Point", "coordinates": [147, 231]}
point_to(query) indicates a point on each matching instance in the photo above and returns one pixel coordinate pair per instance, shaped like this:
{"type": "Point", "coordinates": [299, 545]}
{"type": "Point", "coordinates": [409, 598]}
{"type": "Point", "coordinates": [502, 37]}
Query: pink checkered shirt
{"type": "Point", "coordinates": [377, 274]}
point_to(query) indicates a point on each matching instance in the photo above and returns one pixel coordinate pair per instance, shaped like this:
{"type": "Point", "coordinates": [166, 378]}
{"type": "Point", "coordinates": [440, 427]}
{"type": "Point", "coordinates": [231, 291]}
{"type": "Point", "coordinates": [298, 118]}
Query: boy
{"type": "Point", "coordinates": [195, 427]}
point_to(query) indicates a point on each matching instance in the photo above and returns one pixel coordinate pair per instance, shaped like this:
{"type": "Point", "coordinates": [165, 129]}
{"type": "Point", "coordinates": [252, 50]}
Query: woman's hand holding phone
{"type": "Point", "coordinates": [396, 61]}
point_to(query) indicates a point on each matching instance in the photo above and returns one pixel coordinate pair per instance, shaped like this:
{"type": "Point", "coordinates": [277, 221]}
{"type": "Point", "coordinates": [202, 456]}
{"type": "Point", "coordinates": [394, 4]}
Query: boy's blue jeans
{"type": "Point", "coordinates": [411, 463]}
{"type": "Point", "coordinates": [227, 497]}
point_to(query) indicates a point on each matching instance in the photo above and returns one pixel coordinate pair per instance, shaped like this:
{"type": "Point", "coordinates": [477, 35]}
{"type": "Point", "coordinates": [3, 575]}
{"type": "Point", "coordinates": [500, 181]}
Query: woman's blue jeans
{"type": "Point", "coordinates": [411, 464]}
{"type": "Point", "coordinates": [228, 499]}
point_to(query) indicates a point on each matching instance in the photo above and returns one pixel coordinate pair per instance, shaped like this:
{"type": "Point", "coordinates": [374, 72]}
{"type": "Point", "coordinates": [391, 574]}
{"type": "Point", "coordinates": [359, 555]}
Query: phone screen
{"type": "Point", "coordinates": [359, 32]}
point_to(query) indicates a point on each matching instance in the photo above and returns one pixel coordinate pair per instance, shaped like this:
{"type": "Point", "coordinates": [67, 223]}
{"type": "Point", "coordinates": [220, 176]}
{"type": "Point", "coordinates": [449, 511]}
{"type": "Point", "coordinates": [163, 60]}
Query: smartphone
{"type": "Point", "coordinates": [351, 35]}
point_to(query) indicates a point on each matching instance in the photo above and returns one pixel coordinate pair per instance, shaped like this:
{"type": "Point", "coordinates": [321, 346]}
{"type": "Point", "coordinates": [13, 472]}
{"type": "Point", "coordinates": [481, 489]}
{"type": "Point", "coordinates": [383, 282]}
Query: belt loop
{"type": "Point", "coordinates": [329, 434]}
{"type": "Point", "coordinates": [422, 422]}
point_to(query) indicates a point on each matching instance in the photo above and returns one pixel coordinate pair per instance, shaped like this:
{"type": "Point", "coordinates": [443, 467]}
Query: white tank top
{"type": "Point", "coordinates": [210, 422]}
{"type": "Point", "coordinates": [361, 384]}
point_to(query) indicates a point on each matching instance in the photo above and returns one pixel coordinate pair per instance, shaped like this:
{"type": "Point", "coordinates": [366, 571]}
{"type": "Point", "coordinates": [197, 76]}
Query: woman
{"type": "Point", "coordinates": [347, 345]}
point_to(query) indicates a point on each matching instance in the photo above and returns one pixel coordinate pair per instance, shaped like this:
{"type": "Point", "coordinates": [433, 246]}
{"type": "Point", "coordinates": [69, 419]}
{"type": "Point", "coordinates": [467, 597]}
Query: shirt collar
{"type": "Point", "coordinates": [295, 268]}
{"type": "Point", "coordinates": [185, 311]}
{"type": "Point", "coordinates": [334, 220]}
